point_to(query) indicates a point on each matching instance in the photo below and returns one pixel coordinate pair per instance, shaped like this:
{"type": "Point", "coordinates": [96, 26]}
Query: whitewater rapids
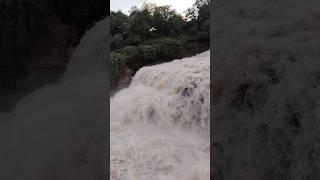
{"type": "Point", "coordinates": [159, 126]}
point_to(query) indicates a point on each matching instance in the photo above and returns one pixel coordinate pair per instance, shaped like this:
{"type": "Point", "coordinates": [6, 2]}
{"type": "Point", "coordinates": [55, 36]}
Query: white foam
{"type": "Point", "coordinates": [160, 123]}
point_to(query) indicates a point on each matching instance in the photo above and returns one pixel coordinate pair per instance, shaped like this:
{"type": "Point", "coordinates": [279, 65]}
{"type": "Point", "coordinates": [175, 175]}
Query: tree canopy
{"type": "Point", "coordinates": [154, 33]}
{"type": "Point", "coordinates": [152, 21]}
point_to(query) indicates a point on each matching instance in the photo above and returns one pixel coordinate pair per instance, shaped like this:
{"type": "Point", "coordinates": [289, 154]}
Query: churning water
{"type": "Point", "coordinates": [160, 123]}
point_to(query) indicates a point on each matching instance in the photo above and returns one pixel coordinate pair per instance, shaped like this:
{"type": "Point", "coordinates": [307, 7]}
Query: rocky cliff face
{"type": "Point", "coordinates": [36, 38]}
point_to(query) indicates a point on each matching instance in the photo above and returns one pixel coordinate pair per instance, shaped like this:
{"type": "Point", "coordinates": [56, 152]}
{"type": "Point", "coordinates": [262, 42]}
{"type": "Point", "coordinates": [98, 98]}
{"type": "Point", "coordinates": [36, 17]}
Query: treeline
{"type": "Point", "coordinates": [152, 34]}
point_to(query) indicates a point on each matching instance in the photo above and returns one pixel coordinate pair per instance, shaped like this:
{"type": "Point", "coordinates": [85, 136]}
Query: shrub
{"type": "Point", "coordinates": [149, 53]}
{"type": "Point", "coordinates": [120, 58]}
{"type": "Point", "coordinates": [116, 41]}
{"type": "Point", "coordinates": [166, 48]}
{"type": "Point", "coordinates": [133, 40]}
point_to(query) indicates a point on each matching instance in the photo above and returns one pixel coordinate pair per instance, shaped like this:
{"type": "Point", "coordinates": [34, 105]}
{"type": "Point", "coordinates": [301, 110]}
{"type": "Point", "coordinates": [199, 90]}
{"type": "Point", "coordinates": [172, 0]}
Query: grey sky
{"type": "Point", "coordinates": [124, 5]}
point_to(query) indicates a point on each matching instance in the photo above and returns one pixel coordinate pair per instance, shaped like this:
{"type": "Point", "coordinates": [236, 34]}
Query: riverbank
{"type": "Point", "coordinates": [127, 61]}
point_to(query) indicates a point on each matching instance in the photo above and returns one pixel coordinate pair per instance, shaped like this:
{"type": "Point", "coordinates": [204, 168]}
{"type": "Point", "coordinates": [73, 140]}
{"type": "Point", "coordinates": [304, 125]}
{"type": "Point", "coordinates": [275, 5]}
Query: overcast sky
{"type": "Point", "coordinates": [124, 5]}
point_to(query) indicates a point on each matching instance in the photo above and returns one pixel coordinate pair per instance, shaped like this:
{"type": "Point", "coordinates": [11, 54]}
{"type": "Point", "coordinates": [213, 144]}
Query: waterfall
{"type": "Point", "coordinates": [159, 128]}
{"type": "Point", "coordinates": [59, 130]}
{"type": "Point", "coordinates": [90, 56]}
{"type": "Point", "coordinates": [160, 123]}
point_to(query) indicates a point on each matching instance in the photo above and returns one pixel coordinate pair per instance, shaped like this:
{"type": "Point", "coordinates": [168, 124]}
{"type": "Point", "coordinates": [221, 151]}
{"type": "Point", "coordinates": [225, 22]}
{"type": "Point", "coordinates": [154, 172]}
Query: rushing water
{"type": "Point", "coordinates": [160, 123]}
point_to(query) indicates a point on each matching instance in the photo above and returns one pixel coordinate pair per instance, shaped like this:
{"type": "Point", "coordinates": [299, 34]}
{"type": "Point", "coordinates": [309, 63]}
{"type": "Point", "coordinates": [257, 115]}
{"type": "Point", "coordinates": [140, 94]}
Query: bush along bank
{"type": "Point", "coordinates": [132, 58]}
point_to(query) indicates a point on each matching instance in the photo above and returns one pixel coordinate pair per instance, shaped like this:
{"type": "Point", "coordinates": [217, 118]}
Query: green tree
{"type": "Point", "coordinates": [119, 23]}
{"type": "Point", "coordinates": [166, 20]}
{"type": "Point", "coordinates": [199, 12]}
{"type": "Point", "coordinates": [140, 22]}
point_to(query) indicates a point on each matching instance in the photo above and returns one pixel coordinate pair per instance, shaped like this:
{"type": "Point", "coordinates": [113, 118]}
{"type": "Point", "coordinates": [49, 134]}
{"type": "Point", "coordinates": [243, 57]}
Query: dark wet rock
{"type": "Point", "coordinates": [36, 40]}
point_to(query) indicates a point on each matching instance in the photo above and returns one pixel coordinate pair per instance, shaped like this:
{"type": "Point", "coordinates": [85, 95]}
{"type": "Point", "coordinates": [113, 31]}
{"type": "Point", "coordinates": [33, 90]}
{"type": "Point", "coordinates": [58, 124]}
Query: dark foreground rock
{"type": "Point", "coordinates": [36, 38]}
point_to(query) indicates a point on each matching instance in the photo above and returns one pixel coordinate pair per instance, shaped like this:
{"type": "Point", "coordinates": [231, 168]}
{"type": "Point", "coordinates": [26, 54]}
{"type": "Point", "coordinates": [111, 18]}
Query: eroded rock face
{"type": "Point", "coordinates": [36, 38]}
{"type": "Point", "coordinates": [265, 90]}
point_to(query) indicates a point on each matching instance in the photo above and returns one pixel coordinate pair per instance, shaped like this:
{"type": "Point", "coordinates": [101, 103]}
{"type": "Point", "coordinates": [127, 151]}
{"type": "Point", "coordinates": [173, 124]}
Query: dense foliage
{"type": "Point", "coordinates": [152, 34]}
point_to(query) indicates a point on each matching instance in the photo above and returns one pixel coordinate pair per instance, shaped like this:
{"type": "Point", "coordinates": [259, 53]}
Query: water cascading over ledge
{"type": "Point", "coordinates": [160, 123]}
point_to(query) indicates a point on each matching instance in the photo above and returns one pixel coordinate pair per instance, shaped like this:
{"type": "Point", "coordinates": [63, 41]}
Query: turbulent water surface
{"type": "Point", "coordinates": [160, 123]}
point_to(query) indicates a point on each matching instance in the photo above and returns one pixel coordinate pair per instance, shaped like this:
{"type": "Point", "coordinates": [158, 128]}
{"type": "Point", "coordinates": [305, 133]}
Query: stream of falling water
{"type": "Point", "coordinates": [57, 131]}
{"type": "Point", "coordinates": [160, 123]}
